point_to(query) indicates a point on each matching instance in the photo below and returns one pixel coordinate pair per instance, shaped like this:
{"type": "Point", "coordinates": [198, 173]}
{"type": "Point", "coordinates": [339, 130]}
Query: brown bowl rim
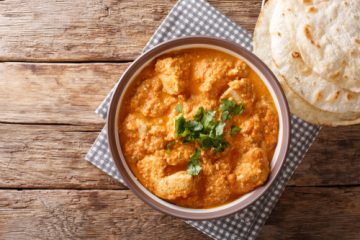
{"type": "Point", "coordinates": [178, 42]}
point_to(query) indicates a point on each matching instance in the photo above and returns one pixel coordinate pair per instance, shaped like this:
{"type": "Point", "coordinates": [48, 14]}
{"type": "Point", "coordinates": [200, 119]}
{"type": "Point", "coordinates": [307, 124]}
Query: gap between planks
{"type": "Point", "coordinates": [68, 62]}
{"type": "Point", "coordinates": [126, 189]}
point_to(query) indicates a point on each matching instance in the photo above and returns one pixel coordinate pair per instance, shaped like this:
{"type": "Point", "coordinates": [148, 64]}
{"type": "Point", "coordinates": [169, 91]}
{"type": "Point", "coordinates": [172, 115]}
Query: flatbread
{"type": "Point", "coordinates": [328, 37]}
{"type": "Point", "coordinates": [262, 48]}
{"type": "Point", "coordinates": [316, 116]}
{"type": "Point", "coordinates": [302, 79]}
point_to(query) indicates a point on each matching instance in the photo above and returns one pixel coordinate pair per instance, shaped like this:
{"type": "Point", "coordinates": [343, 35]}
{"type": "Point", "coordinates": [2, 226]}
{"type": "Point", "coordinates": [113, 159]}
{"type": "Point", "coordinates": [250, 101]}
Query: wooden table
{"type": "Point", "coordinates": [58, 61]}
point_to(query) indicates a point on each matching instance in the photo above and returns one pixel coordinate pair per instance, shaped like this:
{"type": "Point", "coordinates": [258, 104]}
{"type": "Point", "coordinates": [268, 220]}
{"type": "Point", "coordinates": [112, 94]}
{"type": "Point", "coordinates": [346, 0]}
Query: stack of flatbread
{"type": "Point", "coordinates": [313, 47]}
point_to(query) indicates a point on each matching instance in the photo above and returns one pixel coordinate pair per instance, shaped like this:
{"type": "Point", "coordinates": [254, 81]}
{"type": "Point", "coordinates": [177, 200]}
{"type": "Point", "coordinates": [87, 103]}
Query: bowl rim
{"type": "Point", "coordinates": [126, 78]}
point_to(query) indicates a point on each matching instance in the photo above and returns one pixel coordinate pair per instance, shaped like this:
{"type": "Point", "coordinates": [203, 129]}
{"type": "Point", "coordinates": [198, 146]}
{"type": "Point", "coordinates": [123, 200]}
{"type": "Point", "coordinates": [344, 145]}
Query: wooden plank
{"type": "Point", "coordinates": [55, 93]}
{"type": "Point", "coordinates": [36, 156]}
{"type": "Point", "coordinates": [84, 30]}
{"type": "Point", "coordinates": [315, 213]}
{"type": "Point", "coordinates": [105, 214]}
{"type": "Point", "coordinates": [334, 159]}
{"type": "Point", "coordinates": [302, 213]}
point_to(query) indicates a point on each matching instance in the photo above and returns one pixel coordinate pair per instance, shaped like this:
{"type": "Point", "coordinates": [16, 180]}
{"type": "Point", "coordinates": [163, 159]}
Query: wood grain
{"type": "Point", "coordinates": [99, 30]}
{"type": "Point", "coordinates": [64, 214]}
{"type": "Point", "coordinates": [333, 159]}
{"type": "Point", "coordinates": [55, 93]}
{"type": "Point", "coordinates": [33, 156]}
{"type": "Point", "coordinates": [302, 213]}
{"type": "Point", "coordinates": [315, 213]}
{"type": "Point", "coordinates": [37, 156]}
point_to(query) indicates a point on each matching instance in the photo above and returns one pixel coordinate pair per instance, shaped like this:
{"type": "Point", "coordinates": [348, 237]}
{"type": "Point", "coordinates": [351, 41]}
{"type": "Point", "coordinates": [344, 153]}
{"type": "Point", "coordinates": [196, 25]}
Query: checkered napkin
{"type": "Point", "coordinates": [198, 17]}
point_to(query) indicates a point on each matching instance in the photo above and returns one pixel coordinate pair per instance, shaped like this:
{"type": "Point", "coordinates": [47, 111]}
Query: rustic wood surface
{"type": "Point", "coordinates": [96, 30]}
{"type": "Point", "coordinates": [58, 61]}
{"type": "Point", "coordinates": [114, 214]}
{"type": "Point", "coordinates": [55, 93]}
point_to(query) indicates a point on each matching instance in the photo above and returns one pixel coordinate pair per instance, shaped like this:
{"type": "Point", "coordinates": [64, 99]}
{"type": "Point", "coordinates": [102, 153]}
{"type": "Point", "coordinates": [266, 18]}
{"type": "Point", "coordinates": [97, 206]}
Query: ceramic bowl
{"type": "Point", "coordinates": [198, 42]}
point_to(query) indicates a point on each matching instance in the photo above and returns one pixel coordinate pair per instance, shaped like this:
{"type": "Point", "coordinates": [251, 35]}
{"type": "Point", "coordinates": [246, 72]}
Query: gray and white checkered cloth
{"type": "Point", "coordinates": [198, 17]}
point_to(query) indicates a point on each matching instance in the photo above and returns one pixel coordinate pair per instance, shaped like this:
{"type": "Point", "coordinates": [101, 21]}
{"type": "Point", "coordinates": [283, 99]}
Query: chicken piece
{"type": "Point", "coordinates": [149, 88]}
{"type": "Point", "coordinates": [153, 139]}
{"type": "Point", "coordinates": [135, 125]}
{"type": "Point", "coordinates": [213, 75]}
{"type": "Point", "coordinates": [180, 154]}
{"type": "Point", "coordinates": [195, 102]}
{"type": "Point", "coordinates": [170, 125]}
{"type": "Point", "coordinates": [150, 99]}
{"type": "Point", "coordinates": [251, 171]}
{"type": "Point", "coordinates": [241, 91]}
{"type": "Point", "coordinates": [134, 128]}
{"type": "Point", "coordinates": [177, 185]}
{"type": "Point", "coordinates": [133, 151]}
{"type": "Point", "coordinates": [217, 187]}
{"type": "Point", "coordinates": [240, 70]}
{"type": "Point", "coordinates": [252, 130]}
{"type": "Point", "coordinates": [173, 72]}
{"type": "Point", "coordinates": [170, 187]}
{"type": "Point", "coordinates": [157, 106]}
{"type": "Point", "coordinates": [144, 168]}
{"type": "Point", "coordinates": [268, 114]}
{"type": "Point", "coordinates": [144, 137]}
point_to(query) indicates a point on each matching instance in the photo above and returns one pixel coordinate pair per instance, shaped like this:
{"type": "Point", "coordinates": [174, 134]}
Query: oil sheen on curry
{"type": "Point", "coordinates": [198, 128]}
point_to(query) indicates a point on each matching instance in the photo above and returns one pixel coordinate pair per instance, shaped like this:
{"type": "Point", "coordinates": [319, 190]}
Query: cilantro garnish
{"type": "Point", "coordinates": [208, 120]}
{"type": "Point", "coordinates": [179, 108]}
{"type": "Point", "coordinates": [195, 125]}
{"type": "Point", "coordinates": [234, 130]}
{"type": "Point", "coordinates": [199, 114]}
{"type": "Point", "coordinates": [168, 146]}
{"type": "Point", "coordinates": [194, 166]}
{"type": "Point", "coordinates": [219, 129]}
{"type": "Point", "coordinates": [230, 108]}
{"type": "Point", "coordinates": [225, 115]}
{"type": "Point", "coordinates": [206, 141]}
{"type": "Point", "coordinates": [205, 130]}
{"type": "Point", "coordinates": [180, 125]}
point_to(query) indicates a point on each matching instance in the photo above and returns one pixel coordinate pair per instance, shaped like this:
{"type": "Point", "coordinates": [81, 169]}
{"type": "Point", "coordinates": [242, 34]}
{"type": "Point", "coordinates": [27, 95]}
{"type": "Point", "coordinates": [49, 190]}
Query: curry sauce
{"type": "Point", "coordinates": [194, 79]}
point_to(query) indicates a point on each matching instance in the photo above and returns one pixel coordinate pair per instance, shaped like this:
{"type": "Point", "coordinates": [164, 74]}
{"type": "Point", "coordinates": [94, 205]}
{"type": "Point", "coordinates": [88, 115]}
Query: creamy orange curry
{"type": "Point", "coordinates": [198, 128]}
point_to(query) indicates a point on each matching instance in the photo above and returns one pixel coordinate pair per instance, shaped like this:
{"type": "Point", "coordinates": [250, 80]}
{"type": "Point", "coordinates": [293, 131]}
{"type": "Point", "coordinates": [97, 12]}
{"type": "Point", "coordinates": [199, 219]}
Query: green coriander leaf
{"type": "Point", "coordinates": [204, 130]}
{"type": "Point", "coordinates": [234, 130]}
{"type": "Point", "coordinates": [194, 166]}
{"type": "Point", "coordinates": [225, 115]}
{"type": "Point", "coordinates": [196, 155]}
{"type": "Point", "coordinates": [195, 125]}
{"type": "Point", "coordinates": [169, 146]}
{"type": "Point", "coordinates": [238, 109]}
{"type": "Point", "coordinates": [221, 145]}
{"type": "Point", "coordinates": [180, 125]}
{"type": "Point", "coordinates": [198, 127]}
{"type": "Point", "coordinates": [199, 114]}
{"type": "Point", "coordinates": [212, 132]}
{"type": "Point", "coordinates": [226, 105]}
{"type": "Point", "coordinates": [185, 133]}
{"type": "Point", "coordinates": [190, 137]}
{"type": "Point", "coordinates": [232, 108]}
{"type": "Point", "coordinates": [217, 143]}
{"type": "Point", "coordinates": [208, 119]}
{"type": "Point", "coordinates": [219, 129]}
{"type": "Point", "coordinates": [205, 141]}
{"type": "Point", "coordinates": [193, 169]}
{"type": "Point", "coordinates": [179, 108]}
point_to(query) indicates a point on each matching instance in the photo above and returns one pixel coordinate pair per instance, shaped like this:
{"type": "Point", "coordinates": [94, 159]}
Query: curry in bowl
{"type": "Point", "coordinates": [198, 128]}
